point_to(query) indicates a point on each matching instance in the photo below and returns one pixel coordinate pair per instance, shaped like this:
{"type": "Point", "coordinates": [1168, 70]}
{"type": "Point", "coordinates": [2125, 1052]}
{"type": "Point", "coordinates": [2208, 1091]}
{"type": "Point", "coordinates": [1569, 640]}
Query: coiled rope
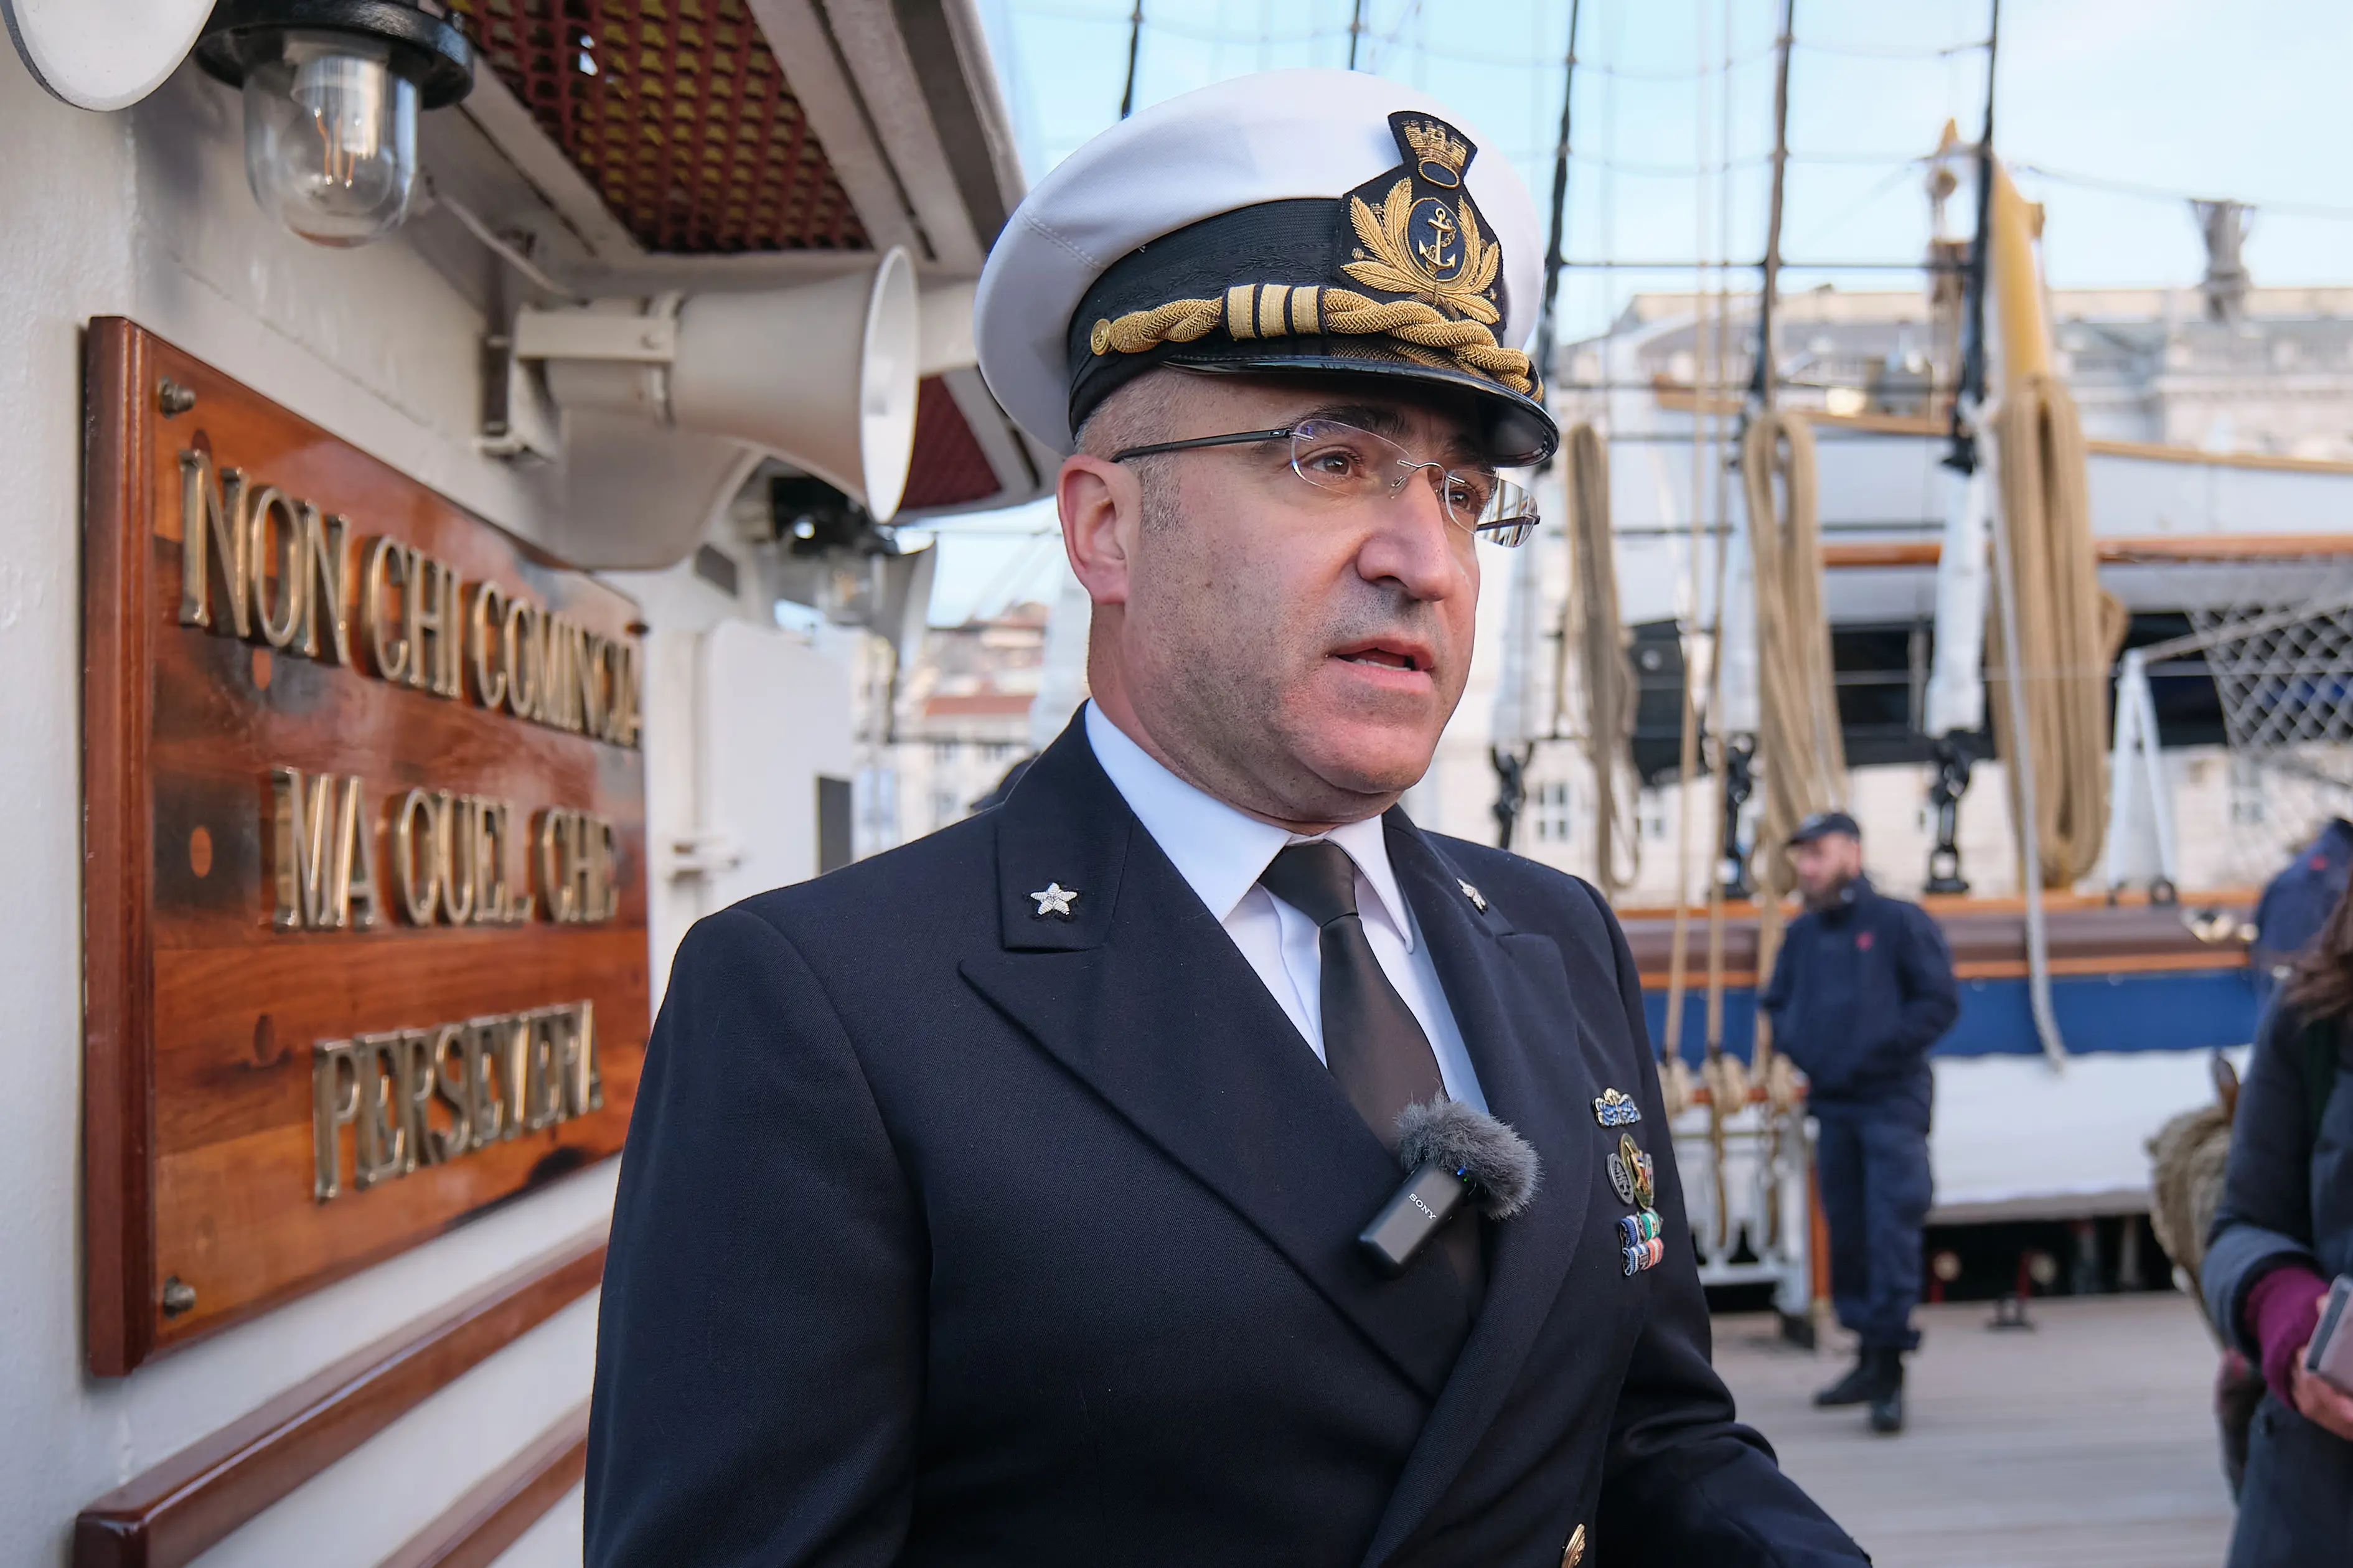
{"type": "Point", "coordinates": [1272, 310]}
{"type": "Point", "coordinates": [2068, 628]}
{"type": "Point", "coordinates": [1592, 626]}
{"type": "Point", "coordinates": [1801, 757]}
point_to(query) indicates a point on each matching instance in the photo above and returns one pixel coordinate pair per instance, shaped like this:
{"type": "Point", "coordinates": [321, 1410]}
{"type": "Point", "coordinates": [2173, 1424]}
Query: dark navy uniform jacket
{"type": "Point", "coordinates": [1860, 992]}
{"type": "Point", "coordinates": [2297, 901]}
{"type": "Point", "coordinates": [949, 1234]}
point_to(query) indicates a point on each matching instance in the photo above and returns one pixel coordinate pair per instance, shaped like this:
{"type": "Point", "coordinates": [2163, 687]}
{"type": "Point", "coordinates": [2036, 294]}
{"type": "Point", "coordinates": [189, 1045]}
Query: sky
{"type": "Point", "coordinates": [2112, 113]}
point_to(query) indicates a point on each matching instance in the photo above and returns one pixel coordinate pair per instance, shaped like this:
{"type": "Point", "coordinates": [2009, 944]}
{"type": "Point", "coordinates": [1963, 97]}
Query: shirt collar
{"type": "Point", "coordinates": [1221, 852]}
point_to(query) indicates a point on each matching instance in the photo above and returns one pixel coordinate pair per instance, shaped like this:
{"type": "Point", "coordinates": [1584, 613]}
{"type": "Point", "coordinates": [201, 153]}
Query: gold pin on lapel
{"type": "Point", "coordinates": [1573, 1553]}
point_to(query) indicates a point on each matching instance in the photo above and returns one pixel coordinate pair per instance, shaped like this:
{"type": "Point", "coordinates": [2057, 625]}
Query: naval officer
{"type": "Point", "coordinates": [997, 1200]}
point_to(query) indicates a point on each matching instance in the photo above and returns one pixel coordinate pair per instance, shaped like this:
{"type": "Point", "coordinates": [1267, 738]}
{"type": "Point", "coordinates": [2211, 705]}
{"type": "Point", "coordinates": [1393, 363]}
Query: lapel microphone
{"type": "Point", "coordinates": [1453, 1155]}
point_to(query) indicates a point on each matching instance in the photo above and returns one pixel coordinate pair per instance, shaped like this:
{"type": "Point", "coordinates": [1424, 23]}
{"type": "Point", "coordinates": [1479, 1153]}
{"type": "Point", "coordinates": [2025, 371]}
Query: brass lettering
{"type": "Point", "coordinates": [354, 862]}
{"type": "Point", "coordinates": [578, 855]}
{"type": "Point", "coordinates": [486, 620]}
{"type": "Point", "coordinates": [539, 1080]}
{"type": "Point", "coordinates": [591, 1096]}
{"type": "Point", "coordinates": [417, 855]}
{"type": "Point", "coordinates": [334, 1105]}
{"type": "Point", "coordinates": [522, 654]}
{"type": "Point", "coordinates": [429, 617]}
{"type": "Point", "coordinates": [387, 564]}
{"type": "Point", "coordinates": [323, 853]}
{"type": "Point", "coordinates": [453, 1089]}
{"type": "Point", "coordinates": [491, 1077]}
{"type": "Point", "coordinates": [210, 522]}
{"type": "Point", "coordinates": [494, 900]}
{"type": "Point", "coordinates": [557, 901]}
{"type": "Point", "coordinates": [514, 1072]}
{"type": "Point", "coordinates": [281, 563]}
{"type": "Point", "coordinates": [623, 718]}
{"type": "Point", "coordinates": [324, 597]}
{"type": "Point", "coordinates": [380, 1147]}
{"type": "Point", "coordinates": [284, 563]}
{"type": "Point", "coordinates": [581, 1085]}
{"type": "Point", "coordinates": [484, 1051]}
{"type": "Point", "coordinates": [412, 1064]}
{"type": "Point", "coordinates": [559, 685]}
{"type": "Point", "coordinates": [301, 821]}
{"type": "Point", "coordinates": [457, 827]}
{"type": "Point", "coordinates": [594, 667]}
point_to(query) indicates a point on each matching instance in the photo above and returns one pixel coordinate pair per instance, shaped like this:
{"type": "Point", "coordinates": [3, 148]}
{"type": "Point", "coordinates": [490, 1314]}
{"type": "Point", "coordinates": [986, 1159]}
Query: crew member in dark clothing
{"type": "Point", "coordinates": [1862, 987]}
{"type": "Point", "coordinates": [2282, 1230]}
{"type": "Point", "coordinates": [2295, 902]}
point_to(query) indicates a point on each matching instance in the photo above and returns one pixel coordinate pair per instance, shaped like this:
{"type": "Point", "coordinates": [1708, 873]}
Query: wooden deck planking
{"type": "Point", "coordinates": [2088, 1442]}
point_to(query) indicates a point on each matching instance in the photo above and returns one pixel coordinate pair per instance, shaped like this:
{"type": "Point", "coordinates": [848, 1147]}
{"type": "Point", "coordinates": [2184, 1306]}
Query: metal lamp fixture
{"type": "Point", "coordinates": [332, 91]}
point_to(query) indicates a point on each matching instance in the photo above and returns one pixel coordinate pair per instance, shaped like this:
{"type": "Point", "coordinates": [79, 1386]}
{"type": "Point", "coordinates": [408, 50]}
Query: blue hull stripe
{"type": "Point", "coordinates": [2194, 1010]}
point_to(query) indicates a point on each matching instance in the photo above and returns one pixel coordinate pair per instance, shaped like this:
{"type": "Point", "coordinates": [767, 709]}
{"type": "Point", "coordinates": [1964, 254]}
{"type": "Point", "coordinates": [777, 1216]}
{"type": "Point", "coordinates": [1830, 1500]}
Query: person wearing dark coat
{"type": "Point", "coordinates": [2294, 904]}
{"type": "Point", "coordinates": [2282, 1231]}
{"type": "Point", "coordinates": [997, 1202]}
{"type": "Point", "coordinates": [1862, 988]}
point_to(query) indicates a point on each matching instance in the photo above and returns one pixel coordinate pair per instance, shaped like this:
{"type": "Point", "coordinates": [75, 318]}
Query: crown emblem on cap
{"type": "Point", "coordinates": [1439, 152]}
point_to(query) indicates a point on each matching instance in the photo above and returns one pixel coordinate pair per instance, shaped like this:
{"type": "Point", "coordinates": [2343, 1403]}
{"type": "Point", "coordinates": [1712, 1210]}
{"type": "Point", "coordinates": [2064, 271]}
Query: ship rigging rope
{"type": "Point", "coordinates": [1595, 629]}
{"type": "Point", "coordinates": [1800, 755]}
{"type": "Point", "coordinates": [2068, 628]}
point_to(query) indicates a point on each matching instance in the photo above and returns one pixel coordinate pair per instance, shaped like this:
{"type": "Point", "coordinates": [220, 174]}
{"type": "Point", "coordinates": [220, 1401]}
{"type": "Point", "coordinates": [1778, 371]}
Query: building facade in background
{"type": "Point", "coordinates": [959, 718]}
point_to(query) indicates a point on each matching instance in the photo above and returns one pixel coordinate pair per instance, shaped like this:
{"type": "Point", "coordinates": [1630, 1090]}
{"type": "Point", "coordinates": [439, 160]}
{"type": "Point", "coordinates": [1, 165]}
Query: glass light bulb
{"type": "Point", "coordinates": [331, 139]}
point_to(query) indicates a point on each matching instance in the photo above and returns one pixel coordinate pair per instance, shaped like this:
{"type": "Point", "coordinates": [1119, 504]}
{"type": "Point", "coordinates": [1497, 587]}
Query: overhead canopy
{"type": "Point", "coordinates": [640, 146]}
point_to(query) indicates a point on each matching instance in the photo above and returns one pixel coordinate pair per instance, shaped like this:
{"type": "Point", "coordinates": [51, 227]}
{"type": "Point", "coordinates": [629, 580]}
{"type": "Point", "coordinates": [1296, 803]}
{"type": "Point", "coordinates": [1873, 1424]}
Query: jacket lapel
{"type": "Point", "coordinates": [1140, 994]}
{"type": "Point", "coordinates": [1509, 994]}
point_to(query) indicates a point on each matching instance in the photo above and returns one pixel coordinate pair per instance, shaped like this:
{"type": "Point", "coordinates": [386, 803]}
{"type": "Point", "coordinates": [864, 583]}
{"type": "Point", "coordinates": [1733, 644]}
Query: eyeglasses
{"type": "Point", "coordinates": [1358, 465]}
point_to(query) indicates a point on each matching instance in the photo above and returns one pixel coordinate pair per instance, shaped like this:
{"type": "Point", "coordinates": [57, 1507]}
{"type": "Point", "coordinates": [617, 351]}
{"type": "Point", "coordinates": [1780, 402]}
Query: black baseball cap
{"type": "Point", "coordinates": [1822, 824]}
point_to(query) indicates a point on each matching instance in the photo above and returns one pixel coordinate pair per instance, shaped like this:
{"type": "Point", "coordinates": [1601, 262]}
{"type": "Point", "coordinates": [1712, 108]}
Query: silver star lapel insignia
{"type": "Point", "coordinates": [1478, 899]}
{"type": "Point", "coordinates": [1054, 898]}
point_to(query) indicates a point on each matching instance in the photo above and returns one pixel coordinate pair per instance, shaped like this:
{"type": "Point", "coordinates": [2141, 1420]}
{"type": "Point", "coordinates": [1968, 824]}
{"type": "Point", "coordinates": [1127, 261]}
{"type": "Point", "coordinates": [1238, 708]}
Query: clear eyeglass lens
{"type": "Point", "coordinates": [331, 140]}
{"type": "Point", "coordinates": [1358, 464]}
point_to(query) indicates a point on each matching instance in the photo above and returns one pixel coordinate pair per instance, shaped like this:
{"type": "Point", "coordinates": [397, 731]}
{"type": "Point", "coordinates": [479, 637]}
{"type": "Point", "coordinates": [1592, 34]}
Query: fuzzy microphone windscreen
{"type": "Point", "coordinates": [1496, 1162]}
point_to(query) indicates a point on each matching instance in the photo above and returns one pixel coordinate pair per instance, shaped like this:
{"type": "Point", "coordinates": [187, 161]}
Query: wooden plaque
{"type": "Point", "coordinates": [365, 879]}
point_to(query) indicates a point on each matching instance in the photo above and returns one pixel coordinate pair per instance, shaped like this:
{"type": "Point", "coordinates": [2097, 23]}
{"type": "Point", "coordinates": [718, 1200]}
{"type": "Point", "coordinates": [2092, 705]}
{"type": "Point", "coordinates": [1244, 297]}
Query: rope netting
{"type": "Point", "coordinates": [2279, 645]}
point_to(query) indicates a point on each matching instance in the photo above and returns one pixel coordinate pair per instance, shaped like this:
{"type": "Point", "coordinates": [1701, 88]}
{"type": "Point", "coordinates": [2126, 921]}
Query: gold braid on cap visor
{"type": "Point", "coordinates": [1250, 310]}
{"type": "Point", "coordinates": [1421, 332]}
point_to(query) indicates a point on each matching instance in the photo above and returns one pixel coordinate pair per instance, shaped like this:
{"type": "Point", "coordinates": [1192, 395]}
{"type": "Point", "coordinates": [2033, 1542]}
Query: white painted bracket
{"type": "Point", "coordinates": [596, 334]}
{"type": "Point", "coordinates": [705, 853]}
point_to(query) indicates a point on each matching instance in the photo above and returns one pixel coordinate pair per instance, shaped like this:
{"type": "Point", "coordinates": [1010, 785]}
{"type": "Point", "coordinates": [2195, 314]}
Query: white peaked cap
{"type": "Point", "coordinates": [1275, 136]}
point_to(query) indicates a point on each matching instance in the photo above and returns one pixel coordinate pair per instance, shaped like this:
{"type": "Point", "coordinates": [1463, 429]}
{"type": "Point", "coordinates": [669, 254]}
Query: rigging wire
{"type": "Point", "coordinates": [1546, 328]}
{"type": "Point", "coordinates": [1663, 171]}
{"type": "Point", "coordinates": [2157, 193]}
{"type": "Point", "coordinates": [1687, 771]}
{"type": "Point", "coordinates": [1134, 45]}
{"type": "Point", "coordinates": [1616, 72]}
{"type": "Point", "coordinates": [1878, 192]}
{"type": "Point", "coordinates": [1890, 51]}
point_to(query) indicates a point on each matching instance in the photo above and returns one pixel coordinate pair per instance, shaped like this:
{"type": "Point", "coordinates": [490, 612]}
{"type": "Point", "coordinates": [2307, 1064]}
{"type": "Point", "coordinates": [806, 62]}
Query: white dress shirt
{"type": "Point", "coordinates": [1221, 852]}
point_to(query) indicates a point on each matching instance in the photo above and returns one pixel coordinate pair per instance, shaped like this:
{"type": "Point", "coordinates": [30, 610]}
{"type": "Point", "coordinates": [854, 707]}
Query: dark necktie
{"type": "Point", "coordinates": [1372, 1042]}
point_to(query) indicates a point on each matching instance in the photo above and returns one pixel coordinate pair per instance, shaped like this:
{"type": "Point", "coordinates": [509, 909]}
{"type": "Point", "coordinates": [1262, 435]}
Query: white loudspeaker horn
{"type": "Point", "coordinates": [103, 54]}
{"type": "Point", "coordinates": [824, 375]}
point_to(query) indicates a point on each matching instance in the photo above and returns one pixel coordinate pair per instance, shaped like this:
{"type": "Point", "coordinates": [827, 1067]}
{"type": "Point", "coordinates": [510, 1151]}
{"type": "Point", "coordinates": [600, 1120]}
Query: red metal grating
{"type": "Point", "coordinates": [678, 113]}
{"type": "Point", "coordinates": [948, 467]}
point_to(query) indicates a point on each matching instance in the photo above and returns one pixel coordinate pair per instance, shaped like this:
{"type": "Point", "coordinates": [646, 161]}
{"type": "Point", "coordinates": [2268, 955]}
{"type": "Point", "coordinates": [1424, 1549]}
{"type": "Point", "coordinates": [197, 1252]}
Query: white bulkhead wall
{"type": "Point", "coordinates": [145, 213]}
